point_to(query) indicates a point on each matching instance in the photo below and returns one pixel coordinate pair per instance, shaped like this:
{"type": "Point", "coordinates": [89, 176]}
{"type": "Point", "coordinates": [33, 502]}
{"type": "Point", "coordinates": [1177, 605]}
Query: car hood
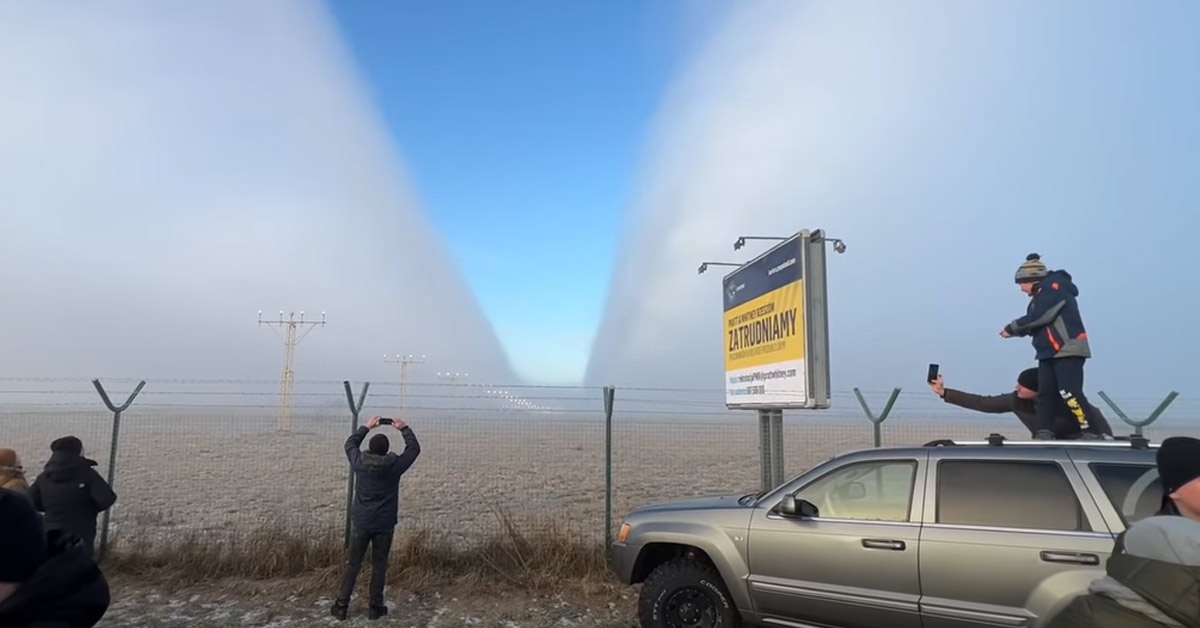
{"type": "Point", "coordinates": [710, 502]}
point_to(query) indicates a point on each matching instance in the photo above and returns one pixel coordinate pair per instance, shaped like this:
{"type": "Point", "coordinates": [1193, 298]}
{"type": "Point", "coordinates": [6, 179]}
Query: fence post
{"type": "Point", "coordinates": [877, 422]}
{"type": "Point", "coordinates": [112, 452]}
{"type": "Point", "coordinates": [1138, 425]}
{"type": "Point", "coordinates": [355, 408]}
{"type": "Point", "coordinates": [609, 395]}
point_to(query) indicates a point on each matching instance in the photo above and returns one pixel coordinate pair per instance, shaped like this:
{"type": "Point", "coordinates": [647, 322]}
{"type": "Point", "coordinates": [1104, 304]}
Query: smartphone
{"type": "Point", "coordinates": [933, 373]}
{"type": "Point", "coordinates": [385, 421]}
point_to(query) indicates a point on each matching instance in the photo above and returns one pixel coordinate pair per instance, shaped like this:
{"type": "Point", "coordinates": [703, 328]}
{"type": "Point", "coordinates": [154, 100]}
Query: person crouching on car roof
{"type": "Point", "coordinates": [1022, 401]}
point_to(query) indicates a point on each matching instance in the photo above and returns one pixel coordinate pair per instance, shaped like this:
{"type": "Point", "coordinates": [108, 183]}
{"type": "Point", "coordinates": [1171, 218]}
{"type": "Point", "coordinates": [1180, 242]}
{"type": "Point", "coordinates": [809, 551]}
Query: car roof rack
{"type": "Point", "coordinates": [1132, 441]}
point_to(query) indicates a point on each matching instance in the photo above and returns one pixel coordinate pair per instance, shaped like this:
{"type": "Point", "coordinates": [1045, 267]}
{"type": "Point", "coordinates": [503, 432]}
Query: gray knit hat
{"type": "Point", "coordinates": [1033, 270]}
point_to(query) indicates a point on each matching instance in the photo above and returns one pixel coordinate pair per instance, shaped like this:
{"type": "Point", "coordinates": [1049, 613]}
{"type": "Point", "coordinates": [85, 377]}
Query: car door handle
{"type": "Point", "coordinates": [887, 544]}
{"type": "Point", "coordinates": [1074, 558]}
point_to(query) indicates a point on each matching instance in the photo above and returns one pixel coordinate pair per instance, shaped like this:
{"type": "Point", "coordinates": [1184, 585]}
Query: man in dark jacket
{"type": "Point", "coordinates": [377, 495]}
{"type": "Point", "coordinates": [1022, 402]}
{"type": "Point", "coordinates": [1152, 579]}
{"type": "Point", "coordinates": [1052, 319]}
{"type": "Point", "coordinates": [46, 581]}
{"type": "Point", "coordinates": [71, 492]}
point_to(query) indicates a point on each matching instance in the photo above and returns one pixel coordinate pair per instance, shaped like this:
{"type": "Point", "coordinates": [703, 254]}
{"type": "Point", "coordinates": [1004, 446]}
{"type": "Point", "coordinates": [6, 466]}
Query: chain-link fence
{"type": "Point", "coordinates": [215, 458]}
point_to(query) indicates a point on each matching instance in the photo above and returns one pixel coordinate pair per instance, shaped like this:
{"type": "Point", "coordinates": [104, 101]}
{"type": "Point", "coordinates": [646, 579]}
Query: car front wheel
{"type": "Point", "coordinates": [684, 593]}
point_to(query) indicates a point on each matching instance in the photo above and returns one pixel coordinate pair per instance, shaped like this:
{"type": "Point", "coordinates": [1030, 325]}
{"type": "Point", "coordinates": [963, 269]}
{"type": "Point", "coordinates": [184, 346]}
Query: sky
{"type": "Point", "coordinates": [943, 142]}
{"type": "Point", "coordinates": [524, 190]}
{"type": "Point", "coordinates": [522, 123]}
{"type": "Point", "coordinates": [170, 170]}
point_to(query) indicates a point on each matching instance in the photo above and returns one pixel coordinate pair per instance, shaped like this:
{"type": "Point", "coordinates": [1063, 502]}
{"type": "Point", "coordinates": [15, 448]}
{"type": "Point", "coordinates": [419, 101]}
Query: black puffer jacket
{"type": "Point", "coordinates": [72, 494]}
{"type": "Point", "coordinates": [1152, 581]}
{"type": "Point", "coordinates": [67, 591]}
{"type": "Point", "coordinates": [377, 480]}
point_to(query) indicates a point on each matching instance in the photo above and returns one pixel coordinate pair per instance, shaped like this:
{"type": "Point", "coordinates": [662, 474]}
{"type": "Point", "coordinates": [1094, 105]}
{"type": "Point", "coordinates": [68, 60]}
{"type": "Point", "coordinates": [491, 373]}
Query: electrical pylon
{"type": "Point", "coordinates": [292, 331]}
{"type": "Point", "coordinates": [404, 361]}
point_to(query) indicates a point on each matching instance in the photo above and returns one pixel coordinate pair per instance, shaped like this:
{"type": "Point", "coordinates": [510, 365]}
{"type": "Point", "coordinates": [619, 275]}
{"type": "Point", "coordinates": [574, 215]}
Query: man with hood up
{"type": "Point", "coordinates": [1152, 579]}
{"type": "Point", "coordinates": [71, 492]}
{"type": "Point", "coordinates": [46, 580]}
{"type": "Point", "coordinates": [377, 496]}
{"type": "Point", "coordinates": [1060, 340]}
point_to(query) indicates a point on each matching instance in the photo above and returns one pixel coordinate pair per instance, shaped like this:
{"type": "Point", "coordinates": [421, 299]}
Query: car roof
{"type": "Point", "coordinates": [1130, 449]}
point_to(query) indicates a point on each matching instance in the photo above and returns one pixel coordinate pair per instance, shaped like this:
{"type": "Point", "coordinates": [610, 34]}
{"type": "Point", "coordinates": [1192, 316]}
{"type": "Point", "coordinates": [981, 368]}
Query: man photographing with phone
{"type": "Point", "coordinates": [377, 473]}
{"type": "Point", "coordinates": [1022, 401]}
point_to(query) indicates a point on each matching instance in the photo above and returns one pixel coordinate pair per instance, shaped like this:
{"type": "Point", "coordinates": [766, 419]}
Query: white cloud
{"type": "Point", "coordinates": [943, 142]}
{"type": "Point", "coordinates": [169, 169]}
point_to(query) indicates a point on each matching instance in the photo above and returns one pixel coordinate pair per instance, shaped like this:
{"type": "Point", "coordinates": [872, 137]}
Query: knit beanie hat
{"type": "Point", "coordinates": [1029, 379]}
{"type": "Point", "coordinates": [68, 444]}
{"type": "Point", "coordinates": [22, 543]}
{"type": "Point", "coordinates": [379, 444]}
{"type": "Point", "coordinates": [1178, 462]}
{"type": "Point", "coordinates": [1033, 270]}
{"type": "Point", "coordinates": [8, 458]}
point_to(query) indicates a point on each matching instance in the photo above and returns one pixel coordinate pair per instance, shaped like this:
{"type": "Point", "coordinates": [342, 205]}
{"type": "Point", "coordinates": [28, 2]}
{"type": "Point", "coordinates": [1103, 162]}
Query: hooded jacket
{"type": "Point", "coordinates": [1053, 319]}
{"type": "Point", "coordinates": [377, 480]}
{"type": "Point", "coordinates": [71, 494]}
{"type": "Point", "coordinates": [67, 591]}
{"type": "Point", "coordinates": [1152, 580]}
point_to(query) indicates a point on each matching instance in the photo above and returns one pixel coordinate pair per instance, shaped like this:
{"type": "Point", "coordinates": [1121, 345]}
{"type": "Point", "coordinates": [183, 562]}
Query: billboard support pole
{"type": "Point", "coordinates": [776, 447]}
{"type": "Point", "coordinates": [765, 449]}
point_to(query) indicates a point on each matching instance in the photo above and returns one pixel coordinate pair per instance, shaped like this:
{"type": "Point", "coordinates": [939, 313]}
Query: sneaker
{"type": "Point", "coordinates": [376, 612]}
{"type": "Point", "coordinates": [1043, 435]}
{"type": "Point", "coordinates": [1091, 436]}
{"type": "Point", "coordinates": [339, 610]}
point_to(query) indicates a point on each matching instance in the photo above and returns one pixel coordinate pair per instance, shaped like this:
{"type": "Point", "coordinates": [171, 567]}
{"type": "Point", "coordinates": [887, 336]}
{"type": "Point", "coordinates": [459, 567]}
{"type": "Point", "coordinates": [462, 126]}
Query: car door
{"type": "Point", "coordinates": [1005, 540]}
{"type": "Point", "coordinates": [855, 564]}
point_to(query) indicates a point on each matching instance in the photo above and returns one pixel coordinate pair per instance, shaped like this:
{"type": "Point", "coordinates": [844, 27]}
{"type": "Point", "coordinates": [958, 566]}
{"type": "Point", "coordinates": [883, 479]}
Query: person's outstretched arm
{"type": "Point", "coordinates": [992, 404]}
{"type": "Point", "coordinates": [412, 448]}
{"type": "Point", "coordinates": [354, 443]}
{"type": "Point", "coordinates": [1047, 303]}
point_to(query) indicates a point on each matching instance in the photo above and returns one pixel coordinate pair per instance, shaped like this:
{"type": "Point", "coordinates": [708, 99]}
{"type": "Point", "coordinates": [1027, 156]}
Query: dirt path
{"type": "Point", "coordinates": [138, 605]}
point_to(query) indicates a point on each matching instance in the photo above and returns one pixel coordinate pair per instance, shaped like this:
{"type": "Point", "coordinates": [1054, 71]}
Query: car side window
{"type": "Point", "coordinates": [1008, 494]}
{"type": "Point", "coordinates": [1134, 490]}
{"type": "Point", "coordinates": [871, 491]}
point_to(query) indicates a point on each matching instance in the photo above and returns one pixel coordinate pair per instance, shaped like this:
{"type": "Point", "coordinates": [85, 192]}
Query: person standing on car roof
{"type": "Point", "coordinates": [1022, 402]}
{"type": "Point", "coordinates": [376, 500]}
{"type": "Point", "coordinates": [1152, 578]}
{"type": "Point", "coordinates": [1053, 320]}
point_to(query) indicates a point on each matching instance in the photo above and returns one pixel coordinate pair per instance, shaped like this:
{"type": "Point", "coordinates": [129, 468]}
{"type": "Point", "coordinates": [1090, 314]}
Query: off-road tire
{"type": "Point", "coordinates": [685, 581]}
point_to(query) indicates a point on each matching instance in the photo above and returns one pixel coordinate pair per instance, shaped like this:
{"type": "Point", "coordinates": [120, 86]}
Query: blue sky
{"type": "Point", "coordinates": [521, 125]}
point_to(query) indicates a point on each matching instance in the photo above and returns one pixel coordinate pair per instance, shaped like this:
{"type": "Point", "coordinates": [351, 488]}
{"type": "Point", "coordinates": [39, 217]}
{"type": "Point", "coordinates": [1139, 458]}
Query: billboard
{"type": "Point", "coordinates": [776, 331]}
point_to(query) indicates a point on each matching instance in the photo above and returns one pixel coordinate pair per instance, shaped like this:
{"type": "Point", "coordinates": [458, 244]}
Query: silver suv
{"type": "Point", "coordinates": [949, 535]}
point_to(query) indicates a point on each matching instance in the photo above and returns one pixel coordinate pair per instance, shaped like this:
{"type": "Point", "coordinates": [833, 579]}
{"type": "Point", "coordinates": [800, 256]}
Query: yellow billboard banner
{"type": "Point", "coordinates": [767, 329]}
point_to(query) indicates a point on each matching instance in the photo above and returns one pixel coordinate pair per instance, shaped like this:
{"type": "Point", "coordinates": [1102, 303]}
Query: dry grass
{"type": "Point", "coordinates": [544, 557]}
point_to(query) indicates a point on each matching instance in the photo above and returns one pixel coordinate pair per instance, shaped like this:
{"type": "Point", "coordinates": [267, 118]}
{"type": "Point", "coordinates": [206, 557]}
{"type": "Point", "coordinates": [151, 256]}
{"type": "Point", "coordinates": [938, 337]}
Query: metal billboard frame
{"type": "Point", "coordinates": [815, 300]}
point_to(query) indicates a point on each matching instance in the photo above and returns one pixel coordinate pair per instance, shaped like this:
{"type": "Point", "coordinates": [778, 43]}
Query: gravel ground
{"type": "Point", "coordinates": [220, 474]}
{"type": "Point", "coordinates": [138, 606]}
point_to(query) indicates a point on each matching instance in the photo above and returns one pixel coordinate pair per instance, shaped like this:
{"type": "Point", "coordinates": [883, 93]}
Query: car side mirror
{"type": "Point", "coordinates": [799, 508]}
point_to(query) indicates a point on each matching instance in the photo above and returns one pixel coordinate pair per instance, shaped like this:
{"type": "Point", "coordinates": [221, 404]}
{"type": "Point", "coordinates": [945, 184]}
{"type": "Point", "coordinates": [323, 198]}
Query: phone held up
{"type": "Point", "coordinates": [386, 421]}
{"type": "Point", "coordinates": [933, 373]}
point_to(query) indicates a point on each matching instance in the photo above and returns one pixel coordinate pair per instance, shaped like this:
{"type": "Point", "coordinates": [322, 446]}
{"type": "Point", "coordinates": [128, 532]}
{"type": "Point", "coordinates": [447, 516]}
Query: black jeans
{"type": "Point", "coordinates": [381, 547]}
{"type": "Point", "coordinates": [1061, 380]}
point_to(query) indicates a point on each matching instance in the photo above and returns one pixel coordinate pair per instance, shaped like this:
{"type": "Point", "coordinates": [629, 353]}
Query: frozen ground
{"type": "Point", "coordinates": [137, 606]}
